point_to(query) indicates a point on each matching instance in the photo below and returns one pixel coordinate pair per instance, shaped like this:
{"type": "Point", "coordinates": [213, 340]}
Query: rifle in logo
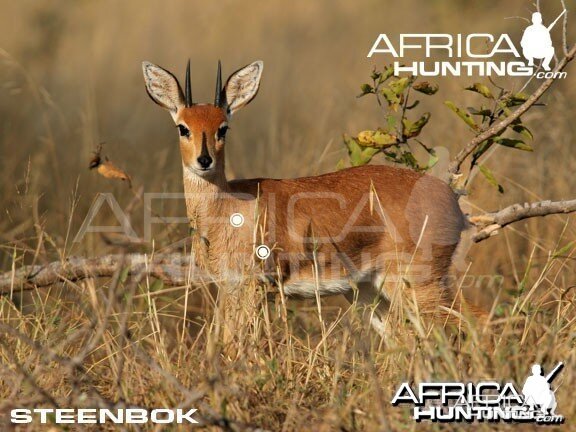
{"type": "Point", "coordinates": [556, 20]}
{"type": "Point", "coordinates": [552, 375]}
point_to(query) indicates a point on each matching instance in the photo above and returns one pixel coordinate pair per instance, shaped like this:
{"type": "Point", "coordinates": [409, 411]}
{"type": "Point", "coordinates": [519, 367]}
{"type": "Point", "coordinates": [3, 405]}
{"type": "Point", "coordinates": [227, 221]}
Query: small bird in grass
{"type": "Point", "coordinates": [107, 169]}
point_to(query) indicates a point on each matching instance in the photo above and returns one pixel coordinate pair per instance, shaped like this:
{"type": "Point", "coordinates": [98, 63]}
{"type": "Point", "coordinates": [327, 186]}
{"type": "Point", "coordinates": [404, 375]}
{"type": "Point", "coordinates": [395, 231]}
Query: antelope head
{"type": "Point", "coordinates": [202, 127]}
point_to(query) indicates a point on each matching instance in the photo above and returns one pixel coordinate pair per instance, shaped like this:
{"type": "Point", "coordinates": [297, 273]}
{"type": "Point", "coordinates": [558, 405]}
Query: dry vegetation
{"type": "Point", "coordinates": [70, 79]}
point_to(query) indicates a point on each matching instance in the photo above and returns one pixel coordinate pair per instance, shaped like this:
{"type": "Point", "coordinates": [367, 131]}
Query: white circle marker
{"type": "Point", "coordinates": [262, 252]}
{"type": "Point", "coordinates": [237, 220]}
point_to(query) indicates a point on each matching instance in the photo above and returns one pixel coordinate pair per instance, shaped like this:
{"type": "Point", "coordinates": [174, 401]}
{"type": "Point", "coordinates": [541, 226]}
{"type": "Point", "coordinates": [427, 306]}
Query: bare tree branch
{"type": "Point", "coordinates": [489, 224]}
{"type": "Point", "coordinates": [564, 30]}
{"type": "Point", "coordinates": [456, 163]}
{"type": "Point", "coordinates": [172, 268]}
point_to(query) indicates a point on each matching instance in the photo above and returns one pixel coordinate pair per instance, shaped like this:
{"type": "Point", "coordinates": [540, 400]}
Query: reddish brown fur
{"type": "Point", "coordinates": [405, 199]}
{"type": "Point", "coordinates": [382, 230]}
{"type": "Point", "coordinates": [199, 119]}
{"type": "Point", "coordinates": [203, 117]}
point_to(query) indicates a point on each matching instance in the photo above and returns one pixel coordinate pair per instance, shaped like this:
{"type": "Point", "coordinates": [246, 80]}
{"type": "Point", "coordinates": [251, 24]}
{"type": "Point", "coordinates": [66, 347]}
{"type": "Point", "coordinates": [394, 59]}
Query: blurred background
{"type": "Point", "coordinates": [70, 78]}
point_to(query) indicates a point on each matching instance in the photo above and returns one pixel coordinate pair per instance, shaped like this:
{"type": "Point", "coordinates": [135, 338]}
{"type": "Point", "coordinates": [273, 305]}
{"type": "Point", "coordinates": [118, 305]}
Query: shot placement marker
{"type": "Point", "coordinates": [262, 252]}
{"type": "Point", "coordinates": [237, 220]}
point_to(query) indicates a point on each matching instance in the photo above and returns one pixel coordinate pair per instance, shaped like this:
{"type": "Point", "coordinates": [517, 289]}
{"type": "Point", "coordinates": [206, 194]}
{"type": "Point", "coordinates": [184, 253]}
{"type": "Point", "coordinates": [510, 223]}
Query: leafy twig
{"type": "Point", "coordinates": [494, 130]}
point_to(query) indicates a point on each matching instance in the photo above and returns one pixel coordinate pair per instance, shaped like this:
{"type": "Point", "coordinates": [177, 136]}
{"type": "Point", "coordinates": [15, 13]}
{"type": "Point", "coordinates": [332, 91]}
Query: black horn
{"type": "Point", "coordinates": [217, 100]}
{"type": "Point", "coordinates": [188, 87]}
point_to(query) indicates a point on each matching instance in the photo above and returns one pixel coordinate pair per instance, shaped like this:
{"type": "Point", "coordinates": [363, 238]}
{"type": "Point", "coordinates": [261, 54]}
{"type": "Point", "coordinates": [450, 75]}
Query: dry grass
{"type": "Point", "coordinates": [70, 75]}
{"type": "Point", "coordinates": [258, 363]}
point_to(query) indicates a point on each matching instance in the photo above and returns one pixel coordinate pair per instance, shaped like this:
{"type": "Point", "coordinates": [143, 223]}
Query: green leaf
{"type": "Point", "coordinates": [516, 99]}
{"type": "Point", "coordinates": [392, 98]}
{"type": "Point", "coordinates": [409, 160]}
{"type": "Point", "coordinates": [467, 118]}
{"type": "Point", "coordinates": [157, 285]}
{"type": "Point", "coordinates": [388, 72]}
{"type": "Point", "coordinates": [390, 155]}
{"type": "Point", "coordinates": [503, 105]}
{"type": "Point", "coordinates": [341, 165]}
{"type": "Point", "coordinates": [366, 89]}
{"type": "Point", "coordinates": [413, 129]}
{"type": "Point", "coordinates": [377, 138]}
{"type": "Point", "coordinates": [354, 149]}
{"type": "Point", "coordinates": [432, 160]}
{"type": "Point", "coordinates": [490, 177]}
{"type": "Point", "coordinates": [381, 139]}
{"type": "Point", "coordinates": [124, 274]}
{"type": "Point", "coordinates": [367, 154]}
{"type": "Point", "coordinates": [398, 86]}
{"type": "Point", "coordinates": [563, 251]}
{"type": "Point", "coordinates": [482, 148]}
{"type": "Point", "coordinates": [426, 88]}
{"type": "Point", "coordinates": [523, 130]}
{"type": "Point", "coordinates": [433, 157]}
{"type": "Point", "coordinates": [481, 89]}
{"type": "Point", "coordinates": [484, 112]}
{"type": "Point", "coordinates": [359, 155]}
{"type": "Point", "coordinates": [514, 143]}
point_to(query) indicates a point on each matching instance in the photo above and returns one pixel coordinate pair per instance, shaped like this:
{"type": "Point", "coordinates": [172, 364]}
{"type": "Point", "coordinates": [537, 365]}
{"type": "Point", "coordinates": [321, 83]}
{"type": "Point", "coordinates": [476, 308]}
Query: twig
{"type": "Point", "coordinates": [489, 224]}
{"type": "Point", "coordinates": [564, 29]}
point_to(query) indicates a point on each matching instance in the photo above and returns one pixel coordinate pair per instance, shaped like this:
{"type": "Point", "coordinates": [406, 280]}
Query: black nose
{"type": "Point", "coordinates": [205, 161]}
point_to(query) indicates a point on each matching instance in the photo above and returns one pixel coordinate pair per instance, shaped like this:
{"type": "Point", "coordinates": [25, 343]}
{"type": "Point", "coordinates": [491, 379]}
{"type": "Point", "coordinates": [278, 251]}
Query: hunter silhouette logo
{"type": "Point", "coordinates": [536, 41]}
{"type": "Point", "coordinates": [538, 392]}
{"type": "Point", "coordinates": [484, 401]}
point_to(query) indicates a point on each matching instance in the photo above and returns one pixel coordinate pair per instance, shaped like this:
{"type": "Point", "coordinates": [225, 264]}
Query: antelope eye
{"type": "Point", "coordinates": [184, 131]}
{"type": "Point", "coordinates": [221, 132]}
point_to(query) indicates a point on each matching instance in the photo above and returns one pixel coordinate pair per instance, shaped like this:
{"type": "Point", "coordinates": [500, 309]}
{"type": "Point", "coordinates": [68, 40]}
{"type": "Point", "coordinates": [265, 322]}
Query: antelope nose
{"type": "Point", "coordinates": [205, 161]}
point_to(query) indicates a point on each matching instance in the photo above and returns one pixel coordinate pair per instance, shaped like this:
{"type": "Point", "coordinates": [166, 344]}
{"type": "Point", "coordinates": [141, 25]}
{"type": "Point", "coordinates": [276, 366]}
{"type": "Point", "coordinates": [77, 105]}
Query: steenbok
{"type": "Point", "coordinates": [370, 233]}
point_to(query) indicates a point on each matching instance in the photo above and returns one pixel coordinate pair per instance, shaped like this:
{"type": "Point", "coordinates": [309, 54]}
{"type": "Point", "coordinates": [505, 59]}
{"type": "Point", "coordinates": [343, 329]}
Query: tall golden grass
{"type": "Point", "coordinates": [71, 78]}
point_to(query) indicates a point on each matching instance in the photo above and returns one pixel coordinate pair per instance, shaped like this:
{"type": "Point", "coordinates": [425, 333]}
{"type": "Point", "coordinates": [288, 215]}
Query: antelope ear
{"type": "Point", "coordinates": [163, 87]}
{"type": "Point", "coordinates": [242, 86]}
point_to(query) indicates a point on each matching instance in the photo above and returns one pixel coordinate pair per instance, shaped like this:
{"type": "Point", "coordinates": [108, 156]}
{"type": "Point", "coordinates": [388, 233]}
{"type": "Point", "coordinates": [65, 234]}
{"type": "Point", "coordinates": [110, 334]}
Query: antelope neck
{"type": "Point", "coordinates": [206, 197]}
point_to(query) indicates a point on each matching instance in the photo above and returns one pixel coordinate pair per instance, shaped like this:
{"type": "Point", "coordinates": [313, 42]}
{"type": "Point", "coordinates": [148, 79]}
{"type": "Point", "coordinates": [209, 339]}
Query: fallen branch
{"type": "Point", "coordinates": [488, 224]}
{"type": "Point", "coordinates": [172, 269]}
{"type": "Point", "coordinates": [456, 163]}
